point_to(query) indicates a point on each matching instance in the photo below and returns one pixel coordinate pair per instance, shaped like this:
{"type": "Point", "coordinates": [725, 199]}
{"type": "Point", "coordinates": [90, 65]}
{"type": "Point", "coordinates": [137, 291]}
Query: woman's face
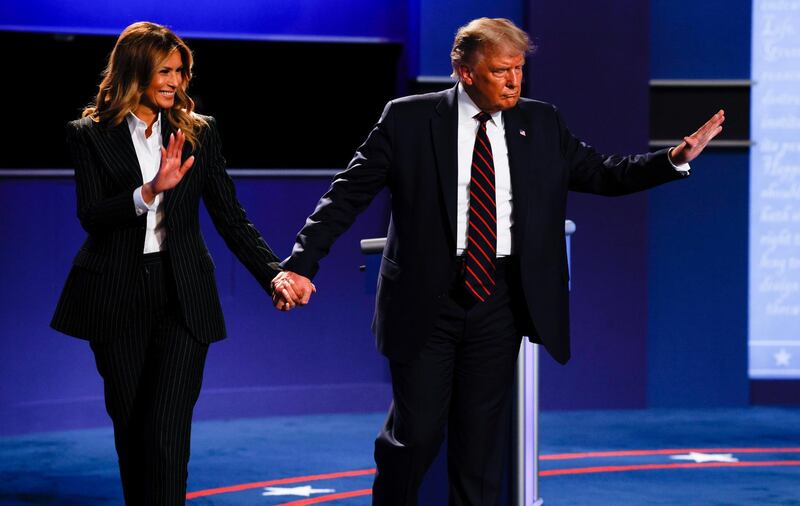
{"type": "Point", "coordinates": [166, 79]}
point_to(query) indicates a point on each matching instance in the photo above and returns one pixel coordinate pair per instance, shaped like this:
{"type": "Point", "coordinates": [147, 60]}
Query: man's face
{"type": "Point", "coordinates": [493, 80]}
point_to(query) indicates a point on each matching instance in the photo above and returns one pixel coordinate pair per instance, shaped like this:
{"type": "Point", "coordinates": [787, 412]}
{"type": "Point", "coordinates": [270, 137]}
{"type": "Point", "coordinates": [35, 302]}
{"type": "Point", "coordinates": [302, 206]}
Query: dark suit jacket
{"type": "Point", "coordinates": [96, 301]}
{"type": "Point", "coordinates": [413, 151]}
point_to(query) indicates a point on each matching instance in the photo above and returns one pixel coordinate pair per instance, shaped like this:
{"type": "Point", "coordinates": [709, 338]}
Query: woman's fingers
{"type": "Point", "coordinates": [187, 165]}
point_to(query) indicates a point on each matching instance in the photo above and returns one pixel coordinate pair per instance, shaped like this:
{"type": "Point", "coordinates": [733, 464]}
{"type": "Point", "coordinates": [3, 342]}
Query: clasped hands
{"type": "Point", "coordinates": [290, 289]}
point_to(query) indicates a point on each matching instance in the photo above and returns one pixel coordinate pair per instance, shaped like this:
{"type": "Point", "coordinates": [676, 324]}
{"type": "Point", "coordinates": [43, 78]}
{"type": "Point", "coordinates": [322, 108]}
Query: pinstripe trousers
{"type": "Point", "coordinates": [152, 381]}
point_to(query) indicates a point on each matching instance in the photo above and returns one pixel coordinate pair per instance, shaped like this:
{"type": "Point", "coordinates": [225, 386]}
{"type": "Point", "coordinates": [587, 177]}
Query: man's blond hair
{"type": "Point", "coordinates": [486, 33]}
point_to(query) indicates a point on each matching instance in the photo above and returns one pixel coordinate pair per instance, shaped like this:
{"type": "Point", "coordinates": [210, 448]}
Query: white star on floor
{"type": "Point", "coordinates": [702, 458]}
{"type": "Point", "coordinates": [304, 491]}
{"type": "Point", "coordinates": [782, 357]}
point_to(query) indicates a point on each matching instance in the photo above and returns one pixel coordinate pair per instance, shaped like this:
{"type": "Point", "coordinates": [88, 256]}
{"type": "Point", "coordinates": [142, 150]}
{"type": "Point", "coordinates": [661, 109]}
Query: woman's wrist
{"type": "Point", "coordinates": [148, 193]}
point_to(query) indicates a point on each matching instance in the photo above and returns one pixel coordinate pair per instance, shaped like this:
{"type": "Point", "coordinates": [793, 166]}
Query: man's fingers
{"type": "Point", "coordinates": [710, 135]}
{"type": "Point", "coordinates": [713, 122]}
{"type": "Point", "coordinates": [303, 291]}
{"type": "Point", "coordinates": [301, 294]}
{"type": "Point", "coordinates": [718, 116]}
{"type": "Point", "coordinates": [695, 141]}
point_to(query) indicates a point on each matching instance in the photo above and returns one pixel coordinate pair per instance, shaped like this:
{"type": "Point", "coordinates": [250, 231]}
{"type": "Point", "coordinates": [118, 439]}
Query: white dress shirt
{"type": "Point", "coordinates": [148, 152]}
{"type": "Point", "coordinates": [495, 129]}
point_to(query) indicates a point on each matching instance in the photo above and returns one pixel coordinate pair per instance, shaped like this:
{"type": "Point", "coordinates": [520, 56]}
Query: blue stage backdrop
{"type": "Point", "coordinates": [384, 19]}
{"type": "Point", "coordinates": [437, 22]}
{"type": "Point", "coordinates": [697, 254]}
{"type": "Point", "coordinates": [593, 65]}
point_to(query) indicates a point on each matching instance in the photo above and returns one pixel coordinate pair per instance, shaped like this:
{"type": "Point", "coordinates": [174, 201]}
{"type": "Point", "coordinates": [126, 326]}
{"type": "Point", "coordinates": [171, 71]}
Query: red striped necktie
{"type": "Point", "coordinates": [479, 261]}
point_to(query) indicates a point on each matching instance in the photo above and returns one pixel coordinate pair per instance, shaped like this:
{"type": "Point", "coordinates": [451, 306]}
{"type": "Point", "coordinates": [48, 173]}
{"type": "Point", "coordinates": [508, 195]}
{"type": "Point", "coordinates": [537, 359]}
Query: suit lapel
{"type": "Point", "coordinates": [444, 130]}
{"type": "Point", "coordinates": [172, 197]}
{"type": "Point", "coordinates": [115, 146]}
{"type": "Point", "coordinates": [519, 136]}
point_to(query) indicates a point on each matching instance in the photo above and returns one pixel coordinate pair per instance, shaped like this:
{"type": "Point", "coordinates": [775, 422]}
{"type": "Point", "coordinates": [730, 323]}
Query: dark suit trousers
{"type": "Point", "coordinates": [152, 382]}
{"type": "Point", "coordinates": [461, 380]}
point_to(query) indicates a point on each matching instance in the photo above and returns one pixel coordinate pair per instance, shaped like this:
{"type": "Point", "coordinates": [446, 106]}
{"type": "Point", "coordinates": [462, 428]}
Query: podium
{"type": "Point", "coordinates": [524, 481]}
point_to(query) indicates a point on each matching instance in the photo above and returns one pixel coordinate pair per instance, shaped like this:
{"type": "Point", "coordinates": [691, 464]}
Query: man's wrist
{"type": "Point", "coordinates": [683, 168]}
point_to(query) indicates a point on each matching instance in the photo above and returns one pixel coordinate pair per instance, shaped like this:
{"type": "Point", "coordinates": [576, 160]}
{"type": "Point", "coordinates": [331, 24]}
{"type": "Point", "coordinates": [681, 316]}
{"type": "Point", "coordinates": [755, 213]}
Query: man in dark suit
{"type": "Point", "coordinates": [475, 254]}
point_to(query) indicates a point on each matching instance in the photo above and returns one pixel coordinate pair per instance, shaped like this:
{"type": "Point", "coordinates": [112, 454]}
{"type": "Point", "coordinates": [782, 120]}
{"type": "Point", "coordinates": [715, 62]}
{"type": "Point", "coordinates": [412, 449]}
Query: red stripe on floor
{"type": "Point", "coordinates": [635, 453]}
{"type": "Point", "coordinates": [553, 472]}
{"type": "Point", "coordinates": [646, 467]}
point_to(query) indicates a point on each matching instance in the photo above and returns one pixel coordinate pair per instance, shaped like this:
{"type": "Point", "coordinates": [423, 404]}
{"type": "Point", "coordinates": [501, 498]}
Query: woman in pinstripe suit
{"type": "Point", "coordinates": [142, 288]}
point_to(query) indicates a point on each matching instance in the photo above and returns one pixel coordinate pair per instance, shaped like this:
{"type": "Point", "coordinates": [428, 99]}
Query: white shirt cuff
{"type": "Point", "coordinates": [142, 206]}
{"type": "Point", "coordinates": [684, 168]}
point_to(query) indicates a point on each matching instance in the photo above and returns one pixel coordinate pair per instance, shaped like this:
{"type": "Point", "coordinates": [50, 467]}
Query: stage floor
{"type": "Point", "coordinates": [661, 457]}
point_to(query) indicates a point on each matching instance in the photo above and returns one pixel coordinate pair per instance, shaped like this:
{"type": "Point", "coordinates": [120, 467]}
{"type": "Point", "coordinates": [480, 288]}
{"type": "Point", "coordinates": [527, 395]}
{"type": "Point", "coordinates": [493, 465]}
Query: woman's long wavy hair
{"type": "Point", "coordinates": [139, 50]}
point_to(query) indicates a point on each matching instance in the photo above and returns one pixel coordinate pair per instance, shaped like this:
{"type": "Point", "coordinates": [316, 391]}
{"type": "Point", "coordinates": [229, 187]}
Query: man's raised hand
{"type": "Point", "coordinates": [694, 144]}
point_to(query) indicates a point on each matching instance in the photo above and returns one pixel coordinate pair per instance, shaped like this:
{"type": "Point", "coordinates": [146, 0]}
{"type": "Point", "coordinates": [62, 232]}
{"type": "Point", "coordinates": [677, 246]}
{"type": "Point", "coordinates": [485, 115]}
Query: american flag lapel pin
{"type": "Point", "coordinates": [522, 132]}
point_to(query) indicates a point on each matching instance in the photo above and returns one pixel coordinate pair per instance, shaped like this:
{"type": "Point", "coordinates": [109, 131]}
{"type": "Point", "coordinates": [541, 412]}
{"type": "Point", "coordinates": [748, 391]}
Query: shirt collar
{"type": "Point", "coordinates": [134, 123]}
{"type": "Point", "coordinates": [468, 109]}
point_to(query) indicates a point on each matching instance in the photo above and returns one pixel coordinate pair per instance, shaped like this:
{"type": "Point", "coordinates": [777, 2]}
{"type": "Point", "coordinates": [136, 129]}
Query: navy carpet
{"type": "Point", "coordinates": [659, 457]}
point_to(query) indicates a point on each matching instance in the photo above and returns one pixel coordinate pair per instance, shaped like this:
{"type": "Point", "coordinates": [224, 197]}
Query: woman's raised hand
{"type": "Point", "coordinates": [171, 170]}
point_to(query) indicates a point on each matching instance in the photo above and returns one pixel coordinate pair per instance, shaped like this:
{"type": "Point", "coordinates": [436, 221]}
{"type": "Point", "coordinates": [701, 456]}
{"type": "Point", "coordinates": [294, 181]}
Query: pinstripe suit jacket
{"type": "Point", "coordinates": [96, 301]}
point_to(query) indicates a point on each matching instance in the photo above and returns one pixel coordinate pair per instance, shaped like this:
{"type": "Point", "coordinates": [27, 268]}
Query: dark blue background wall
{"type": "Point", "coordinates": [700, 40]}
{"type": "Point", "coordinates": [596, 71]}
{"type": "Point", "coordinates": [697, 253]}
{"type": "Point", "coordinates": [439, 20]}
